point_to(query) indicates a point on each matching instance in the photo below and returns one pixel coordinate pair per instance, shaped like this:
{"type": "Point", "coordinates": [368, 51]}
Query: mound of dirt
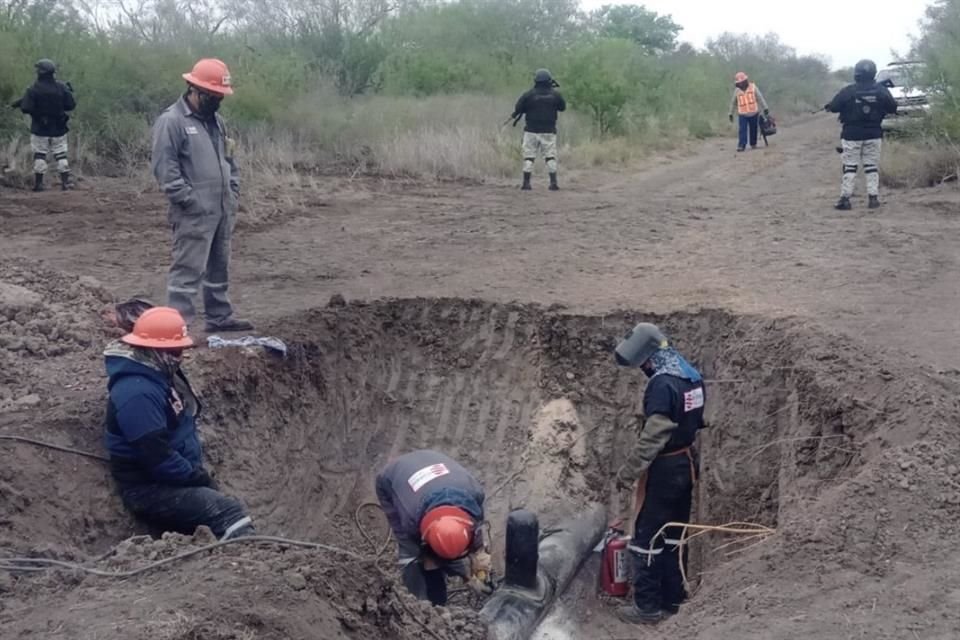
{"type": "Point", "coordinates": [43, 314]}
{"type": "Point", "coordinates": [238, 592]}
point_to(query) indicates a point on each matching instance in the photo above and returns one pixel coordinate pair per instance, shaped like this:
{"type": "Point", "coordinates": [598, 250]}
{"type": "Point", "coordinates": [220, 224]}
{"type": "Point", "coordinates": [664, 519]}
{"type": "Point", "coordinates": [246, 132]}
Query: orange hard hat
{"type": "Point", "coordinates": [448, 531]}
{"type": "Point", "coordinates": [210, 75]}
{"type": "Point", "coordinates": [159, 328]}
{"type": "Point", "coordinates": [740, 77]}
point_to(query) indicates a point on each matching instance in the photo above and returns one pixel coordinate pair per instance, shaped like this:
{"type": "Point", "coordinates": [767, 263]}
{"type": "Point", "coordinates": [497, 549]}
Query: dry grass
{"type": "Point", "coordinates": [450, 137]}
{"type": "Point", "coordinates": [918, 163]}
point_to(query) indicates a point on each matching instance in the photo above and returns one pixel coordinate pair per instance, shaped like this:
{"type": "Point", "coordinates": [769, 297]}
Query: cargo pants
{"type": "Point", "coordinates": [657, 580]}
{"type": "Point", "coordinates": [42, 147]}
{"type": "Point", "coordinates": [201, 259]}
{"type": "Point", "coordinates": [183, 509]}
{"type": "Point", "coordinates": [536, 144]}
{"type": "Point", "coordinates": [856, 153]}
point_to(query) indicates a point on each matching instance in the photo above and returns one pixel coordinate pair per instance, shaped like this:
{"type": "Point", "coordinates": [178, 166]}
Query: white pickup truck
{"type": "Point", "coordinates": [904, 81]}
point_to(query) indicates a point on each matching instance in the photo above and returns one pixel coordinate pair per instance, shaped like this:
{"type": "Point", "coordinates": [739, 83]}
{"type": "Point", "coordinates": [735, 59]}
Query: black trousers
{"type": "Point", "coordinates": [432, 584]}
{"type": "Point", "coordinates": [183, 509]}
{"type": "Point", "coordinates": [657, 581]}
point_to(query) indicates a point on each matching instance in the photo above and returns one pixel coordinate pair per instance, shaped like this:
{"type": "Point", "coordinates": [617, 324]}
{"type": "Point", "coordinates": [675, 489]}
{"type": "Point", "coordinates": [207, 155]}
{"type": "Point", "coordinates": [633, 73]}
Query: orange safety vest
{"type": "Point", "coordinates": [747, 100]}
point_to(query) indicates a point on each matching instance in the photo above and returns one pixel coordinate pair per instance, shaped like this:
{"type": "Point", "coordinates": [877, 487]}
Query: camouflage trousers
{"type": "Point", "coordinates": [537, 144]}
{"type": "Point", "coordinates": [43, 147]}
{"type": "Point", "coordinates": [855, 154]}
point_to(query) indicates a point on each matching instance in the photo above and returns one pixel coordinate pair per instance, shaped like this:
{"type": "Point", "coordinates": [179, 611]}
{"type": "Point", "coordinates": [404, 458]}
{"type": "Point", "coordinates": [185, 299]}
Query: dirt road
{"type": "Point", "coordinates": [752, 233]}
{"type": "Point", "coordinates": [838, 427]}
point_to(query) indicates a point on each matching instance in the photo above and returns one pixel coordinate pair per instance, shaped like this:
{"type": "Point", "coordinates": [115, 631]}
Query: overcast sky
{"type": "Point", "coordinates": [843, 30]}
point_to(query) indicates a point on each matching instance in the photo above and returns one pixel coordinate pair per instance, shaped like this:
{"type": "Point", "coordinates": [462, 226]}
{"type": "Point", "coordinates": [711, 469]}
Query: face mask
{"type": "Point", "coordinates": [207, 104]}
{"type": "Point", "coordinates": [168, 361]}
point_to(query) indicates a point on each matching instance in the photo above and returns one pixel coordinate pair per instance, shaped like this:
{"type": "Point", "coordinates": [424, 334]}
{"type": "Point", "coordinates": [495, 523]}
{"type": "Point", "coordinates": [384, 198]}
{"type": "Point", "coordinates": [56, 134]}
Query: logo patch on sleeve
{"type": "Point", "coordinates": [693, 399]}
{"type": "Point", "coordinates": [425, 475]}
{"type": "Point", "coordinates": [192, 131]}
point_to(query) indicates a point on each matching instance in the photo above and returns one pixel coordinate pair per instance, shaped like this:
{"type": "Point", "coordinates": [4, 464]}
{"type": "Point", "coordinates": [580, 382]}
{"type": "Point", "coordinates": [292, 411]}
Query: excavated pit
{"type": "Point", "coordinates": [528, 398]}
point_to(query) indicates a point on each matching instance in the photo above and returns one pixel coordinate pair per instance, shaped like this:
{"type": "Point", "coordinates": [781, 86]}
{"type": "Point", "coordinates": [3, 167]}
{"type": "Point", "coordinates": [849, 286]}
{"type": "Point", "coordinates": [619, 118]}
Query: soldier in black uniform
{"type": "Point", "coordinates": [862, 107]}
{"type": "Point", "coordinates": [47, 103]}
{"type": "Point", "coordinates": [540, 105]}
{"type": "Point", "coordinates": [663, 463]}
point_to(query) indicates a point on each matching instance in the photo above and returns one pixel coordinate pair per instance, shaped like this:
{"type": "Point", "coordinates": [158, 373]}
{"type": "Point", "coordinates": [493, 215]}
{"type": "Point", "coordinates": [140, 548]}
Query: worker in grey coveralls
{"type": "Point", "coordinates": [193, 162]}
{"type": "Point", "coordinates": [435, 509]}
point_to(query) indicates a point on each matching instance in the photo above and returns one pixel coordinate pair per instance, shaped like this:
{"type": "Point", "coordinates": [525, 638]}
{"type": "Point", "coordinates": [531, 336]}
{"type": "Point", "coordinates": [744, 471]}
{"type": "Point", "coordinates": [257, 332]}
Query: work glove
{"type": "Point", "coordinates": [480, 565]}
{"type": "Point", "coordinates": [480, 587]}
{"type": "Point", "coordinates": [731, 118]}
{"type": "Point", "coordinates": [200, 478]}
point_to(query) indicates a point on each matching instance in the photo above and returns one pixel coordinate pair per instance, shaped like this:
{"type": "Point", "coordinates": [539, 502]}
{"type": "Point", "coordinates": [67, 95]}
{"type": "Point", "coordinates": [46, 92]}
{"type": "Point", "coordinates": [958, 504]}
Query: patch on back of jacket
{"type": "Point", "coordinates": [420, 479]}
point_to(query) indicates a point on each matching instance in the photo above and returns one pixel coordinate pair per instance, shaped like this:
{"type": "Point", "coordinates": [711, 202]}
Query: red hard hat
{"type": "Point", "coordinates": [210, 75]}
{"type": "Point", "coordinates": [740, 77]}
{"type": "Point", "coordinates": [448, 531]}
{"type": "Point", "coordinates": [159, 328]}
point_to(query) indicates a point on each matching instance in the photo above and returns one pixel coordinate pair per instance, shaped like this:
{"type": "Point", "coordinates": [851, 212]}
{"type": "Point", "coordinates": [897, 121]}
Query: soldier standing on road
{"type": "Point", "coordinates": [862, 107]}
{"type": "Point", "coordinates": [540, 106]}
{"type": "Point", "coordinates": [47, 103]}
{"type": "Point", "coordinates": [193, 162]}
{"type": "Point", "coordinates": [663, 466]}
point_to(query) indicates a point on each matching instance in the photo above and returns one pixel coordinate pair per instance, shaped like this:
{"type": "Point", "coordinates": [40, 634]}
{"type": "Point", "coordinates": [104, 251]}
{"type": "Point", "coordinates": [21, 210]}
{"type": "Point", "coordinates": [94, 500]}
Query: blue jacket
{"type": "Point", "coordinates": [151, 429]}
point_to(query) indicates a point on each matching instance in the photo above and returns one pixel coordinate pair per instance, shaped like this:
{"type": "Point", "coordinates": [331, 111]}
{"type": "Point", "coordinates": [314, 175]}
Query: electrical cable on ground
{"type": "Point", "coordinates": [55, 447]}
{"type": "Point", "coordinates": [378, 551]}
{"type": "Point", "coordinates": [30, 564]}
{"type": "Point", "coordinates": [751, 530]}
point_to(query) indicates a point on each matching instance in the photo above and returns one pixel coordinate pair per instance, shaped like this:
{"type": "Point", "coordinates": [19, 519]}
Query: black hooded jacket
{"type": "Point", "coordinates": [540, 105]}
{"type": "Point", "coordinates": [862, 108]}
{"type": "Point", "coordinates": [47, 103]}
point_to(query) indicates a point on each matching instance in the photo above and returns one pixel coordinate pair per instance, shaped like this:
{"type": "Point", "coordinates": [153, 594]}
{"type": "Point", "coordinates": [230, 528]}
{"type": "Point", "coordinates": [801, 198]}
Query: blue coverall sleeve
{"type": "Point", "coordinates": [142, 419]}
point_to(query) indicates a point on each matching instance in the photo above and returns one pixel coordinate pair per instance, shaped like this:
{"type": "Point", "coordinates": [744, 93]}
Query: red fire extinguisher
{"type": "Point", "coordinates": [614, 576]}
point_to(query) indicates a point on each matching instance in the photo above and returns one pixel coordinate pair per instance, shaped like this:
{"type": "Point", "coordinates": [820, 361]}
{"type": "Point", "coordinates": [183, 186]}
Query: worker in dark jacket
{"type": "Point", "coordinates": [663, 466]}
{"type": "Point", "coordinates": [862, 106]}
{"type": "Point", "coordinates": [47, 103]}
{"type": "Point", "coordinates": [151, 433]}
{"type": "Point", "coordinates": [540, 107]}
{"type": "Point", "coordinates": [435, 509]}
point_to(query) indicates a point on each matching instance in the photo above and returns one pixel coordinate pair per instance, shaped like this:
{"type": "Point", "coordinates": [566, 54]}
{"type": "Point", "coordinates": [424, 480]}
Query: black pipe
{"type": "Point", "coordinates": [523, 537]}
{"type": "Point", "coordinates": [512, 612]}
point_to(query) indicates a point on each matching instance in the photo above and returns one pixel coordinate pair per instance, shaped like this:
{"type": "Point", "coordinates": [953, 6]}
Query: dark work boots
{"type": "Point", "coordinates": [526, 182]}
{"type": "Point", "coordinates": [38, 182]}
{"type": "Point", "coordinates": [553, 182]}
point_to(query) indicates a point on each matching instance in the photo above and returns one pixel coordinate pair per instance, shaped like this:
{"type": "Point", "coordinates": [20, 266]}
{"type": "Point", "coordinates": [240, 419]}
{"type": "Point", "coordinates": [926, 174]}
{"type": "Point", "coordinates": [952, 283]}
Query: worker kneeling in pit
{"type": "Point", "coordinates": [435, 508]}
{"type": "Point", "coordinates": [664, 466]}
{"type": "Point", "coordinates": [151, 430]}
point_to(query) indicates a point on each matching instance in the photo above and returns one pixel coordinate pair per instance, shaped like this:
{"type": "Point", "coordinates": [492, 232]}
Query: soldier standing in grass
{"type": "Point", "coordinates": [47, 103]}
{"type": "Point", "coordinates": [540, 107]}
{"type": "Point", "coordinates": [862, 106]}
{"type": "Point", "coordinates": [193, 163]}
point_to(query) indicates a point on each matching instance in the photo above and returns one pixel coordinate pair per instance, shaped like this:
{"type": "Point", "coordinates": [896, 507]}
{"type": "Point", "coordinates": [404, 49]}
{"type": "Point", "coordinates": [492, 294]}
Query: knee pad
{"type": "Point", "coordinates": [63, 165]}
{"type": "Point", "coordinates": [551, 165]}
{"type": "Point", "coordinates": [39, 163]}
{"type": "Point", "coordinates": [528, 165]}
